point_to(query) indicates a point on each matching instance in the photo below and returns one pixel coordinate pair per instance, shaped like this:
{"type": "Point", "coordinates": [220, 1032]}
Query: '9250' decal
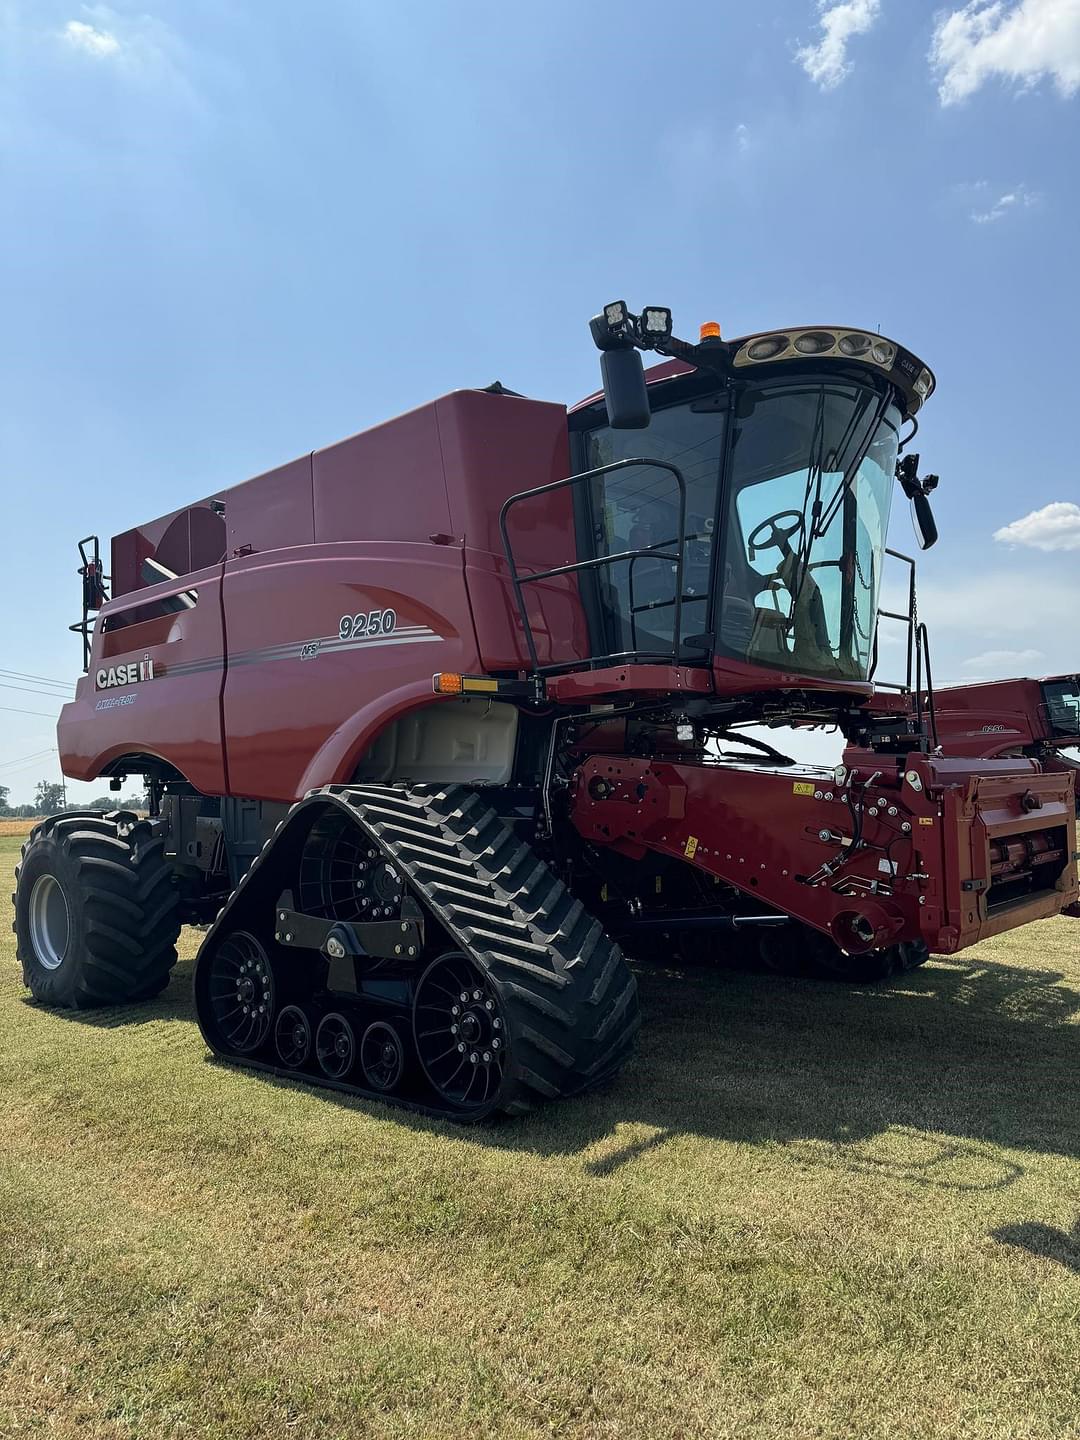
{"type": "Point", "coordinates": [374, 622]}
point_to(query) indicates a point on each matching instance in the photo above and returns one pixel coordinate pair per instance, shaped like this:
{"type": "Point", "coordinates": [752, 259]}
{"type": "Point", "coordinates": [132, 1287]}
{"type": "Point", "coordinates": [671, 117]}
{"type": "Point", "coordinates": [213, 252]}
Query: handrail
{"type": "Point", "coordinates": [519, 581]}
{"type": "Point", "coordinates": [909, 620]}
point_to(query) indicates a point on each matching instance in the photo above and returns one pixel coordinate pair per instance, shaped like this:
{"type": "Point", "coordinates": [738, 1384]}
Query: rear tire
{"type": "Point", "coordinates": [96, 912]}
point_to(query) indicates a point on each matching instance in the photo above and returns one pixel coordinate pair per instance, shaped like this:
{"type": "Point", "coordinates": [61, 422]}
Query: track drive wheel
{"type": "Point", "coordinates": [461, 1032]}
{"type": "Point", "coordinates": [96, 912]}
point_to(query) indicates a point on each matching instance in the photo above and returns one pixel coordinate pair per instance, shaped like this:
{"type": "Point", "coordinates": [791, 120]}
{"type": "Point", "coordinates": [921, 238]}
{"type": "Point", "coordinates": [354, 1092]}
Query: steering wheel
{"type": "Point", "coordinates": [774, 534]}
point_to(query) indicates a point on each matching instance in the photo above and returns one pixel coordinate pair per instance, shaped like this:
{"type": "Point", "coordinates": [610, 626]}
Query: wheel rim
{"type": "Point", "coordinates": [460, 1031]}
{"type": "Point", "coordinates": [344, 877]}
{"type": "Point", "coordinates": [50, 921]}
{"type": "Point", "coordinates": [292, 1037]}
{"type": "Point", "coordinates": [382, 1056]}
{"type": "Point", "coordinates": [335, 1045]}
{"type": "Point", "coordinates": [241, 992]}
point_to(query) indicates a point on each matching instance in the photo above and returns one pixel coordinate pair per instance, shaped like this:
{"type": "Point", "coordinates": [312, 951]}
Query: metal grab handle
{"type": "Point", "coordinates": [518, 580]}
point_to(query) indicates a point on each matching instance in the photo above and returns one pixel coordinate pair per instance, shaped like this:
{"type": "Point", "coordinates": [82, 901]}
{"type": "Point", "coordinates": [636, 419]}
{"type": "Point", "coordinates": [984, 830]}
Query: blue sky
{"type": "Point", "coordinates": [234, 232]}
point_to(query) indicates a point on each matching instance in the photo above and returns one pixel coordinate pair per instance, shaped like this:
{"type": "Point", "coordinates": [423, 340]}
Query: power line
{"type": "Point", "coordinates": [34, 690]}
{"type": "Point", "coordinates": [43, 679]}
{"type": "Point", "coordinates": [28, 759]}
{"type": "Point", "coordinates": [43, 763]}
{"type": "Point", "coordinates": [14, 710]}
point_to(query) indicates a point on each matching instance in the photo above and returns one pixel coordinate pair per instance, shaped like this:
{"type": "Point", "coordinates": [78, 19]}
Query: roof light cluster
{"type": "Point", "coordinates": [846, 344]}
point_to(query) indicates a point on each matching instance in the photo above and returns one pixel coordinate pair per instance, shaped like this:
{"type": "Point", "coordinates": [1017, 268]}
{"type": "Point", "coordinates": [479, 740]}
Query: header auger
{"type": "Point", "coordinates": [439, 721]}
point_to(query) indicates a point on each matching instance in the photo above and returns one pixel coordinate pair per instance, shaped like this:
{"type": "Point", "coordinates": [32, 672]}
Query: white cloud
{"type": "Point", "coordinates": [90, 40]}
{"type": "Point", "coordinates": [742, 137]}
{"type": "Point", "coordinates": [1003, 659]}
{"type": "Point", "coordinates": [1021, 42]}
{"type": "Point", "coordinates": [1019, 198]}
{"type": "Point", "coordinates": [826, 62]}
{"type": "Point", "coordinates": [1055, 527]}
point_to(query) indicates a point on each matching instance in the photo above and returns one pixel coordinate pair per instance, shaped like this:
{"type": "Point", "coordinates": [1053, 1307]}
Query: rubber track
{"type": "Point", "coordinates": [570, 997]}
{"type": "Point", "coordinates": [128, 905]}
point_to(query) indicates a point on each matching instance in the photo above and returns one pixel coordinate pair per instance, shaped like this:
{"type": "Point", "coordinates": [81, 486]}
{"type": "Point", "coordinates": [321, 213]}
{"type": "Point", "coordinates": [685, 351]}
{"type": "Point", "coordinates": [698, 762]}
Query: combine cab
{"type": "Point", "coordinates": [438, 721]}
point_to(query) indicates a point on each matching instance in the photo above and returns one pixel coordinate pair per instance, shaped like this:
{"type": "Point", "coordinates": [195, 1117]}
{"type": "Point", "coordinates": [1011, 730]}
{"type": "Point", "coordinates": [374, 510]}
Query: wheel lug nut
{"type": "Point", "coordinates": [489, 1004]}
{"type": "Point", "coordinates": [461, 1049]}
{"type": "Point", "coordinates": [477, 994]}
{"type": "Point", "coordinates": [497, 1023]}
{"type": "Point", "coordinates": [453, 1029]}
{"type": "Point", "coordinates": [487, 1055]}
{"type": "Point", "coordinates": [455, 1009]}
{"type": "Point", "coordinates": [464, 997]}
{"type": "Point", "coordinates": [496, 1043]}
{"type": "Point", "coordinates": [473, 1058]}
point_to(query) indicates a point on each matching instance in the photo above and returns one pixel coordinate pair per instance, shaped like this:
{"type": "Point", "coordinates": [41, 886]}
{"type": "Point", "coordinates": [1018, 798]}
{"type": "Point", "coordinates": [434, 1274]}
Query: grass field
{"type": "Point", "coordinates": [802, 1212]}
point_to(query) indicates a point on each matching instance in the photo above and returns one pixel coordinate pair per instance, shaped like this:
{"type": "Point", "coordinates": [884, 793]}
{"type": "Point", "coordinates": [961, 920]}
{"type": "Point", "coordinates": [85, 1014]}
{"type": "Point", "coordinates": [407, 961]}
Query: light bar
{"type": "Point", "coordinates": [839, 344]}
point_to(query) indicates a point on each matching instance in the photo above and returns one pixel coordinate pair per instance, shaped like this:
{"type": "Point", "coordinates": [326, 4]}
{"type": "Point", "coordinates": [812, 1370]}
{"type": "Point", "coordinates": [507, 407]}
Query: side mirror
{"type": "Point", "coordinates": [625, 392]}
{"type": "Point", "coordinates": [922, 518]}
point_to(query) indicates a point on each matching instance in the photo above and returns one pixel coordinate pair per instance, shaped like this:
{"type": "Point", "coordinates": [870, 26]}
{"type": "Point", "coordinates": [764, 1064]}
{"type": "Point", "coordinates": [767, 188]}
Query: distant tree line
{"type": "Point", "coordinates": [49, 800]}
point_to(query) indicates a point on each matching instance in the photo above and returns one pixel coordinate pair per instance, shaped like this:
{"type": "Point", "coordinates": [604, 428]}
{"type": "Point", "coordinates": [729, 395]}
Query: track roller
{"type": "Point", "coordinates": [335, 1046]}
{"type": "Point", "coordinates": [382, 1056]}
{"type": "Point", "coordinates": [292, 1037]}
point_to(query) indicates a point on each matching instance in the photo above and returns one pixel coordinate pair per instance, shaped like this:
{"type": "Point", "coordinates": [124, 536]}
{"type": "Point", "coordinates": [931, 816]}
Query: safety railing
{"type": "Point", "coordinates": [598, 562]}
{"type": "Point", "coordinates": [918, 656]}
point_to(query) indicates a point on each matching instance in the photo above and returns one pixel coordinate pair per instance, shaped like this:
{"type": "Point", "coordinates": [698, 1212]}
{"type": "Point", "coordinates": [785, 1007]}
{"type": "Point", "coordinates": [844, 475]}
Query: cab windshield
{"type": "Point", "coordinates": [783, 553]}
{"type": "Point", "coordinates": [811, 482]}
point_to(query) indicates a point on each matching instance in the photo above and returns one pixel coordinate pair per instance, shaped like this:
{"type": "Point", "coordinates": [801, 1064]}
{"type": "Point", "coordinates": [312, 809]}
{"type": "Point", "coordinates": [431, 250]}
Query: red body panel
{"type": "Point", "coordinates": [176, 717]}
{"type": "Point", "coordinates": [403, 517]}
{"type": "Point", "coordinates": [769, 833]}
{"type": "Point", "coordinates": [293, 723]}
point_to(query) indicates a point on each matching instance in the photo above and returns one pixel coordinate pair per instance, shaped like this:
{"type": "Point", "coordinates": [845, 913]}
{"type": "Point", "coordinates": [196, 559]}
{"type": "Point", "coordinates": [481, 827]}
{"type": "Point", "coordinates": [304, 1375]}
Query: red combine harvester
{"type": "Point", "coordinates": [438, 719]}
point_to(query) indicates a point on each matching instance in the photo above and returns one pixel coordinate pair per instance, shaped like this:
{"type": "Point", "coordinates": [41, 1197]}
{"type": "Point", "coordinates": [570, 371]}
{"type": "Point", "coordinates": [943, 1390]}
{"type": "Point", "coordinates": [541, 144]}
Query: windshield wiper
{"type": "Point", "coordinates": [819, 525]}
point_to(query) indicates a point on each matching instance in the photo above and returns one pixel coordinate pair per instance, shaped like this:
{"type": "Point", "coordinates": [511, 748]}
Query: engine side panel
{"type": "Point", "coordinates": [328, 644]}
{"type": "Point", "coordinates": [154, 685]}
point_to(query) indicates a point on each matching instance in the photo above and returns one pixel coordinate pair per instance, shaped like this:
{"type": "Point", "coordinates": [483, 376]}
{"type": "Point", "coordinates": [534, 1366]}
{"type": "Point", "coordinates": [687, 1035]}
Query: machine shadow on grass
{"type": "Point", "coordinates": [1046, 1241]}
{"type": "Point", "coordinates": [852, 1077]}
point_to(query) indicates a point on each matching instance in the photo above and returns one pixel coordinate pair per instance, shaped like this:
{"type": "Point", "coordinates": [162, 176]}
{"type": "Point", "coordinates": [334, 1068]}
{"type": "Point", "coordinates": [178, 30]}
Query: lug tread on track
{"type": "Point", "coordinates": [571, 997]}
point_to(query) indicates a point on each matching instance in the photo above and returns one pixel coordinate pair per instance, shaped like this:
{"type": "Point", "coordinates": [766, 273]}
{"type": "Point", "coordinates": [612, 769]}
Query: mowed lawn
{"type": "Point", "coordinates": [803, 1211]}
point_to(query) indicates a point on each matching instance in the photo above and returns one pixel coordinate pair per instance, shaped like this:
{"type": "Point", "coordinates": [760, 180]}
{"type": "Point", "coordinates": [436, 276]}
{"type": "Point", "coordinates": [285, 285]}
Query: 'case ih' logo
{"type": "Point", "coordinates": [129, 674]}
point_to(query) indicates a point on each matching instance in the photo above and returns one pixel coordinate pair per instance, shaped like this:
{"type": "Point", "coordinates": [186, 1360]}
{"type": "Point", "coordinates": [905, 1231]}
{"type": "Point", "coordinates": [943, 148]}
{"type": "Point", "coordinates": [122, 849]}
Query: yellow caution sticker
{"type": "Point", "coordinates": [926, 819]}
{"type": "Point", "coordinates": [690, 848]}
{"type": "Point", "coordinates": [802, 787]}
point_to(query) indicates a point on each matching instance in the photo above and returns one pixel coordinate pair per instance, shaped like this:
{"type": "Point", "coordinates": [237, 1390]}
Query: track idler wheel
{"type": "Point", "coordinates": [382, 1056]}
{"type": "Point", "coordinates": [461, 1034]}
{"type": "Point", "coordinates": [240, 993]}
{"type": "Point", "coordinates": [292, 1037]}
{"type": "Point", "coordinates": [335, 1046]}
